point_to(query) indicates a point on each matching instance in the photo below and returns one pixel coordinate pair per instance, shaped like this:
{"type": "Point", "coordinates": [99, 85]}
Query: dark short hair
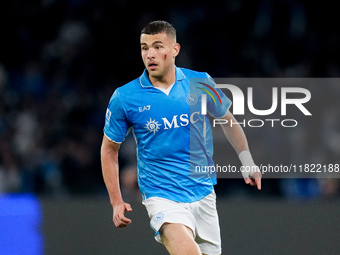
{"type": "Point", "coordinates": [159, 26]}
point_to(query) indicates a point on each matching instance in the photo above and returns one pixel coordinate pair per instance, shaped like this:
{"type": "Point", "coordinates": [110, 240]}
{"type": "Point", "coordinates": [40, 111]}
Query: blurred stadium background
{"type": "Point", "coordinates": [60, 61]}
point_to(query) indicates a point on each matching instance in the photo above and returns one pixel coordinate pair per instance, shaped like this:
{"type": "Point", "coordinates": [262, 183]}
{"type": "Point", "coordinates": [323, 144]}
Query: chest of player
{"type": "Point", "coordinates": [154, 111]}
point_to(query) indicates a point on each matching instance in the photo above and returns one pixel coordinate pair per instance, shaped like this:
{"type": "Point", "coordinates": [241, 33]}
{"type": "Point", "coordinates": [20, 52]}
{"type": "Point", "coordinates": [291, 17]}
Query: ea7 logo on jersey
{"type": "Point", "coordinates": [144, 108]}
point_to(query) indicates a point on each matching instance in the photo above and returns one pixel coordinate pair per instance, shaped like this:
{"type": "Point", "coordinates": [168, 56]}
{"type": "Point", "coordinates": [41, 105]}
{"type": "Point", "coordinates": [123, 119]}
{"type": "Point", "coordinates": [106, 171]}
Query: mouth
{"type": "Point", "coordinates": [152, 66]}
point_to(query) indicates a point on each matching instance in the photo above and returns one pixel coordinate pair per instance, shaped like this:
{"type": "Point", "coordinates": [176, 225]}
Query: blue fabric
{"type": "Point", "coordinates": [171, 134]}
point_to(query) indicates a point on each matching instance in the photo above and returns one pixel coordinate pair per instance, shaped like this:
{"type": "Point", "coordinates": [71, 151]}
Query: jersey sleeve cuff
{"type": "Point", "coordinates": [219, 117]}
{"type": "Point", "coordinates": [111, 139]}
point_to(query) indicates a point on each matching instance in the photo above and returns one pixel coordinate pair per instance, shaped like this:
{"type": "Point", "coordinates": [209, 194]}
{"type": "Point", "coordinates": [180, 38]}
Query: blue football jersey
{"type": "Point", "coordinates": [172, 135]}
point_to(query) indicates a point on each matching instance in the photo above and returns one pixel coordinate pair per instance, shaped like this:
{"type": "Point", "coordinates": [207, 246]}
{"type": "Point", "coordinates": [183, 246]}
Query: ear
{"type": "Point", "coordinates": [176, 49]}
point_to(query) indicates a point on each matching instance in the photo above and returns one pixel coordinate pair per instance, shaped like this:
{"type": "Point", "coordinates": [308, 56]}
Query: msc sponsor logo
{"type": "Point", "coordinates": [177, 121]}
{"type": "Point", "coordinates": [152, 126]}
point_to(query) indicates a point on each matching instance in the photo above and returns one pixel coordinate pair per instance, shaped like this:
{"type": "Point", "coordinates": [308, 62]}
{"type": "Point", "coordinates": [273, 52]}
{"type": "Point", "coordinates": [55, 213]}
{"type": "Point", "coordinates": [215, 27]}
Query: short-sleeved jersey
{"type": "Point", "coordinates": [172, 135]}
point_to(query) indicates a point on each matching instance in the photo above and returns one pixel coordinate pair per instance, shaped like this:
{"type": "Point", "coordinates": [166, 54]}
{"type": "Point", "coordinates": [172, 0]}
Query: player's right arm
{"type": "Point", "coordinates": [110, 169]}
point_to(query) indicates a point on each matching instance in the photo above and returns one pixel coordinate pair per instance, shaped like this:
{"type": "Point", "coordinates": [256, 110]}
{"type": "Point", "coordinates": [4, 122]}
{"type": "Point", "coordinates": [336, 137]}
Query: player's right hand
{"type": "Point", "coordinates": [118, 215]}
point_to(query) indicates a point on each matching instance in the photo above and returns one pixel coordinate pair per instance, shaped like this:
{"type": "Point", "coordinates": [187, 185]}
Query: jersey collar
{"type": "Point", "coordinates": [145, 82]}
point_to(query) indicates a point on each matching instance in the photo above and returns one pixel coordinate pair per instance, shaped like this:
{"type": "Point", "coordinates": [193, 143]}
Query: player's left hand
{"type": "Point", "coordinates": [252, 175]}
{"type": "Point", "coordinates": [254, 180]}
{"type": "Point", "coordinates": [250, 171]}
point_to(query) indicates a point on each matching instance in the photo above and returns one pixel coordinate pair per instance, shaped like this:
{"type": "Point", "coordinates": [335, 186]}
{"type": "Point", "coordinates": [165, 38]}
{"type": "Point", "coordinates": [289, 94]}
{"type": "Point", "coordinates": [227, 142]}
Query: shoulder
{"type": "Point", "coordinates": [131, 86]}
{"type": "Point", "coordinates": [194, 74]}
{"type": "Point", "coordinates": [126, 89]}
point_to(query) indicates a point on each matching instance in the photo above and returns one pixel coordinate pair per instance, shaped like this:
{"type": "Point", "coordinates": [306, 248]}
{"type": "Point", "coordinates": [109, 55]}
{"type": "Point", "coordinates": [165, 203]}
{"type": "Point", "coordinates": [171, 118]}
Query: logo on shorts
{"type": "Point", "coordinates": [158, 217]}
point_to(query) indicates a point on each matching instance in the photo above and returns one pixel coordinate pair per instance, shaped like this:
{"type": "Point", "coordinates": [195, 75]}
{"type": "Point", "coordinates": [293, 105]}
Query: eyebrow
{"type": "Point", "coordinates": [155, 42]}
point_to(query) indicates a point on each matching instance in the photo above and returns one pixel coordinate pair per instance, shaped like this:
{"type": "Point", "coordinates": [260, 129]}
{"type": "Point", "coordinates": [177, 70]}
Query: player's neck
{"type": "Point", "coordinates": [166, 80]}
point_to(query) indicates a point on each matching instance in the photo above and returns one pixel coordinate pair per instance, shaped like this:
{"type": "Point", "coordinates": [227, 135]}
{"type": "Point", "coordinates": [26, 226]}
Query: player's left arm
{"type": "Point", "coordinates": [238, 140]}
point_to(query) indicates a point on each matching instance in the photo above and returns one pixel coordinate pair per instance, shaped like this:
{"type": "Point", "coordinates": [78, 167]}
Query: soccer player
{"type": "Point", "coordinates": [162, 109]}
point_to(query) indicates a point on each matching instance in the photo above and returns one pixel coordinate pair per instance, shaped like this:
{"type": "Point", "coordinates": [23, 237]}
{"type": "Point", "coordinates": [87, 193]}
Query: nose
{"type": "Point", "coordinates": [151, 53]}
